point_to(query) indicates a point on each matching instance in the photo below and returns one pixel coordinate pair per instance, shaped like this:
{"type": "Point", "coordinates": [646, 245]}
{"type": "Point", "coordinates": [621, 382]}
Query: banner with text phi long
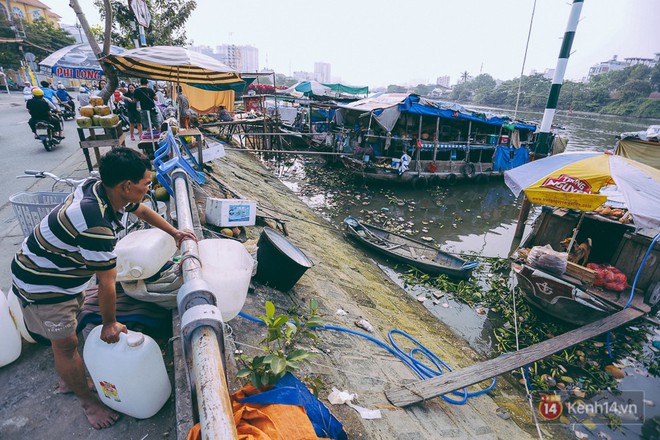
{"type": "Point", "coordinates": [77, 72]}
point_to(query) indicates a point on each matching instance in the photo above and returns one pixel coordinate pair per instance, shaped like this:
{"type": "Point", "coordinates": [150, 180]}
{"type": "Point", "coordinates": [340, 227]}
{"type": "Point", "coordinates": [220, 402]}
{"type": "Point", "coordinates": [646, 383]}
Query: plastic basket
{"type": "Point", "coordinates": [30, 208]}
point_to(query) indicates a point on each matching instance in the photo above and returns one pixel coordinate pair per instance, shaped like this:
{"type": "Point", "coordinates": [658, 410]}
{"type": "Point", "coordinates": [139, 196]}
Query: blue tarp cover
{"type": "Point", "coordinates": [290, 391]}
{"type": "Point", "coordinates": [411, 105]}
{"type": "Point", "coordinates": [507, 158]}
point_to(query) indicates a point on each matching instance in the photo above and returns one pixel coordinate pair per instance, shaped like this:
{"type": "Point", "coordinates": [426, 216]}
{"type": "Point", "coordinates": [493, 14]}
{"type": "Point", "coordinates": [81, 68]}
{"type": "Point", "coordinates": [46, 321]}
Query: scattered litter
{"type": "Point", "coordinates": [238, 352]}
{"type": "Point", "coordinates": [363, 323]}
{"type": "Point", "coordinates": [600, 435]}
{"type": "Point", "coordinates": [480, 311]}
{"type": "Point", "coordinates": [438, 294]}
{"type": "Point", "coordinates": [445, 305]}
{"type": "Point", "coordinates": [337, 397]}
{"type": "Point", "coordinates": [649, 402]}
{"type": "Point", "coordinates": [503, 413]}
{"type": "Point", "coordinates": [580, 435]}
{"type": "Point", "coordinates": [436, 301]}
{"type": "Point", "coordinates": [427, 238]}
{"type": "Point", "coordinates": [365, 413]}
{"type": "Point", "coordinates": [341, 312]}
{"type": "Point", "coordinates": [421, 298]}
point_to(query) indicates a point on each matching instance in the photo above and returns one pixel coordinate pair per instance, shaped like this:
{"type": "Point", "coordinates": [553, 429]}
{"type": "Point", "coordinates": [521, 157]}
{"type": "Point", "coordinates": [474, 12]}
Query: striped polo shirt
{"type": "Point", "coordinates": [68, 246]}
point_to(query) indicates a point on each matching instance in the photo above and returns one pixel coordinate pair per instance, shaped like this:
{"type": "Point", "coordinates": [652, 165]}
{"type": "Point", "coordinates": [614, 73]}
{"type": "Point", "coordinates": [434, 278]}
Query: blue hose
{"type": "Point", "coordinates": [632, 290]}
{"type": "Point", "coordinates": [422, 370]}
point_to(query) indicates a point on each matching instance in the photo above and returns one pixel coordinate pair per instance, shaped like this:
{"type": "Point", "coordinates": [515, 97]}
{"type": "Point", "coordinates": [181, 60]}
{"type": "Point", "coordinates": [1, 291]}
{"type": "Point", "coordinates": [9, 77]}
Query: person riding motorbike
{"type": "Point", "coordinates": [42, 109]}
{"type": "Point", "coordinates": [49, 94]}
{"type": "Point", "coordinates": [65, 98]}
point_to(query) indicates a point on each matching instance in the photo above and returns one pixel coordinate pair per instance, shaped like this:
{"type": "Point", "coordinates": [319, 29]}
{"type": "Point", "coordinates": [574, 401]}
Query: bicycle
{"type": "Point", "coordinates": [30, 208]}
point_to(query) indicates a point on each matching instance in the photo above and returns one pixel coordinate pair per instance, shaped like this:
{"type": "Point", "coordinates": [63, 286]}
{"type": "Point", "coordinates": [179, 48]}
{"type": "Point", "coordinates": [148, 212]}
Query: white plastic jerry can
{"type": "Point", "coordinates": [10, 338]}
{"type": "Point", "coordinates": [129, 375]}
{"type": "Point", "coordinates": [142, 253]}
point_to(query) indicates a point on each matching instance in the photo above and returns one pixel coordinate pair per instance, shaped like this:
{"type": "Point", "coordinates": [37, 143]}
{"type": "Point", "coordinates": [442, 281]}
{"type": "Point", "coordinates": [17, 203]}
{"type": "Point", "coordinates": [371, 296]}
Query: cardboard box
{"type": "Point", "coordinates": [228, 213]}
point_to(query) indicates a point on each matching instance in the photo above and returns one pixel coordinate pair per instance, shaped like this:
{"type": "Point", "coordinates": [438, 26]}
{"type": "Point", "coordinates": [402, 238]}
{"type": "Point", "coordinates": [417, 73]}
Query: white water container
{"type": "Point", "coordinates": [227, 268]}
{"type": "Point", "coordinates": [129, 375]}
{"type": "Point", "coordinates": [10, 338]}
{"type": "Point", "coordinates": [141, 254]}
{"type": "Point", "coordinates": [16, 310]}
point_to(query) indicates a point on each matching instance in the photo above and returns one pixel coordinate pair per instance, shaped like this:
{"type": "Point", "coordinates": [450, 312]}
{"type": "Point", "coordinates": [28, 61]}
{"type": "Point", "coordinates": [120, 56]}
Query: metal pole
{"type": "Point", "coordinates": [542, 147]}
{"type": "Point", "coordinates": [216, 418]}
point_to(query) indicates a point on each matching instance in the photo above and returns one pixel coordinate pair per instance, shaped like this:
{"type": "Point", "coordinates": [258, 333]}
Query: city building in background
{"type": "Point", "coordinates": [29, 10]}
{"type": "Point", "coordinates": [615, 64]}
{"type": "Point", "coordinates": [322, 72]}
{"type": "Point", "coordinates": [240, 58]}
{"type": "Point", "coordinates": [443, 81]}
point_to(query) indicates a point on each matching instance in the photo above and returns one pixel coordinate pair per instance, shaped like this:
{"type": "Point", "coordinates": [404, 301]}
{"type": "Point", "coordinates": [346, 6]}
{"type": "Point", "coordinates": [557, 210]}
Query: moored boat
{"type": "Point", "coordinates": [406, 250]}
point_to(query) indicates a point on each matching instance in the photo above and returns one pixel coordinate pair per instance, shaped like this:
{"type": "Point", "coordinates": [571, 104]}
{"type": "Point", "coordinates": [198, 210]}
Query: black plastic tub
{"type": "Point", "coordinates": [280, 262]}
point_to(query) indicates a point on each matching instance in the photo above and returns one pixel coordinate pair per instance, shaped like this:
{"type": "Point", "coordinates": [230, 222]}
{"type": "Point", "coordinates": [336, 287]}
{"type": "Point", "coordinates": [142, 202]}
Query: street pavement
{"type": "Point", "coordinates": [29, 406]}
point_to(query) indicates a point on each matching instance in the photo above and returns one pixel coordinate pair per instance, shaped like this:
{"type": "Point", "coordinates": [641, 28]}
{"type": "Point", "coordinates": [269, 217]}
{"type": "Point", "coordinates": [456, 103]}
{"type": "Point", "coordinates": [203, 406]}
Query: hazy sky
{"type": "Point", "coordinates": [376, 43]}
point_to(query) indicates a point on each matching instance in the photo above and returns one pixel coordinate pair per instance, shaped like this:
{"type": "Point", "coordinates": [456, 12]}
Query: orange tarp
{"type": "Point", "coordinates": [266, 422]}
{"type": "Point", "coordinates": [206, 101]}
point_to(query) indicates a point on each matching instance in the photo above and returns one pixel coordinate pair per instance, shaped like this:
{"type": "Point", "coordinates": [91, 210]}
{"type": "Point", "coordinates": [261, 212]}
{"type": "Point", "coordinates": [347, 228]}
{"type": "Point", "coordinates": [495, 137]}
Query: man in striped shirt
{"type": "Point", "coordinates": [70, 245]}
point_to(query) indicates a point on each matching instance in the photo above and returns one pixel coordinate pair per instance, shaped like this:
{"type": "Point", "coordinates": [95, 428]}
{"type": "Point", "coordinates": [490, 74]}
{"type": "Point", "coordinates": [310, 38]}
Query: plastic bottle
{"type": "Point", "coordinates": [227, 268]}
{"type": "Point", "coordinates": [141, 254]}
{"type": "Point", "coordinates": [10, 338]}
{"type": "Point", "coordinates": [129, 375]}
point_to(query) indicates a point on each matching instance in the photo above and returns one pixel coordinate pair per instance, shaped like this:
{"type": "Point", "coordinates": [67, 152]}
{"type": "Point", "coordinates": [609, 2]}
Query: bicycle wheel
{"type": "Point", "coordinates": [131, 222]}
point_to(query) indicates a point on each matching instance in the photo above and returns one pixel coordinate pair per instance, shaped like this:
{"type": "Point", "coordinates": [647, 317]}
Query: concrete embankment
{"type": "Point", "coordinates": [345, 277]}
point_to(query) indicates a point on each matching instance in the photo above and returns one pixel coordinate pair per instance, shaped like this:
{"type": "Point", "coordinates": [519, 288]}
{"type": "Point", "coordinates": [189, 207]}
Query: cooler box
{"type": "Point", "coordinates": [228, 213]}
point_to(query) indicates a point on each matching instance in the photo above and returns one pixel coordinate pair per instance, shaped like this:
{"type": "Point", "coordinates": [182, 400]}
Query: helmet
{"type": "Point", "coordinates": [82, 90]}
{"type": "Point", "coordinates": [36, 91]}
{"type": "Point", "coordinates": [60, 86]}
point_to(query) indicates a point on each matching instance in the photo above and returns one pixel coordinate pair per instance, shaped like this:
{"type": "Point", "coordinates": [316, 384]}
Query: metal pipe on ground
{"type": "Point", "coordinates": [213, 404]}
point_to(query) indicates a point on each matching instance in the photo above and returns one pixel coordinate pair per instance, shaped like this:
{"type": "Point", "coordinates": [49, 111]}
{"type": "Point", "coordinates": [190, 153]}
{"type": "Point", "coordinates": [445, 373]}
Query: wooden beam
{"type": "Point", "coordinates": [459, 379]}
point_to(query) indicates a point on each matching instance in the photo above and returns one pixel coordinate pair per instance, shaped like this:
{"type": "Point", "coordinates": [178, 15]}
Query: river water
{"type": "Point", "coordinates": [466, 218]}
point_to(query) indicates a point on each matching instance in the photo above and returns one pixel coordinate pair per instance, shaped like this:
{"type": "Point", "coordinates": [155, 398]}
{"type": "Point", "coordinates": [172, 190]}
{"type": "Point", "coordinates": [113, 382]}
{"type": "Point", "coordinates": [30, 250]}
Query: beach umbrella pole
{"type": "Point", "coordinates": [575, 233]}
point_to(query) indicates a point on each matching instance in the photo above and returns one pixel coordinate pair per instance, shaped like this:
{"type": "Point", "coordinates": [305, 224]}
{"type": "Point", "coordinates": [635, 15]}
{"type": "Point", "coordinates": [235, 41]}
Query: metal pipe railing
{"type": "Point", "coordinates": [207, 356]}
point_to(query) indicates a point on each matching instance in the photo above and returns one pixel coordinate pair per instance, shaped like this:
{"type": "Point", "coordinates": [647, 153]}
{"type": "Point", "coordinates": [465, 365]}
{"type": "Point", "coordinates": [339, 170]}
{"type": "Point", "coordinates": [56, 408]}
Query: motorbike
{"type": "Point", "coordinates": [44, 133]}
{"type": "Point", "coordinates": [67, 112]}
{"type": "Point", "coordinates": [122, 112]}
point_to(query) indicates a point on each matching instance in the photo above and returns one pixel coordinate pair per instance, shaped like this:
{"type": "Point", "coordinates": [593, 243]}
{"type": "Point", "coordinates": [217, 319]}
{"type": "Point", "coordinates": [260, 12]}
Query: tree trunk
{"type": "Point", "coordinates": [108, 70]}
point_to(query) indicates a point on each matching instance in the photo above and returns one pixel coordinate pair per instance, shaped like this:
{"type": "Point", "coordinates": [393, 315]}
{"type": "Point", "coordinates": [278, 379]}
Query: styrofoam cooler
{"type": "Point", "coordinates": [228, 213]}
{"type": "Point", "coordinates": [129, 375]}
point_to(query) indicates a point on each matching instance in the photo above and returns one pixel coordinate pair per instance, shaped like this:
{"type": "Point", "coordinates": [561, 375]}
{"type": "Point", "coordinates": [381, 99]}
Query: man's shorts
{"type": "Point", "coordinates": [53, 321]}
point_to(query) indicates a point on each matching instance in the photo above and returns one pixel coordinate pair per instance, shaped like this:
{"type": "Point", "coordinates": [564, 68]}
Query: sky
{"type": "Point", "coordinates": [381, 42]}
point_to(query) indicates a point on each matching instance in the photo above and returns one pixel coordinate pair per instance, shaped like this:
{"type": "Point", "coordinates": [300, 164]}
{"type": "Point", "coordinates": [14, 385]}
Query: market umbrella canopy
{"type": "Point", "coordinates": [76, 61]}
{"type": "Point", "coordinates": [171, 63]}
{"type": "Point", "coordinates": [585, 180]}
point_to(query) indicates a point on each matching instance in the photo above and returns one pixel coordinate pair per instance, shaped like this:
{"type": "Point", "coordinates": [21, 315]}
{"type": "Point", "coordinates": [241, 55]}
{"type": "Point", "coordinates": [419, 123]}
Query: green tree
{"type": "Point", "coordinates": [393, 88]}
{"type": "Point", "coordinates": [655, 78]}
{"type": "Point", "coordinates": [423, 89]}
{"type": "Point", "coordinates": [46, 37]}
{"type": "Point", "coordinates": [635, 88]}
{"type": "Point", "coordinates": [168, 20]}
{"type": "Point", "coordinates": [9, 55]}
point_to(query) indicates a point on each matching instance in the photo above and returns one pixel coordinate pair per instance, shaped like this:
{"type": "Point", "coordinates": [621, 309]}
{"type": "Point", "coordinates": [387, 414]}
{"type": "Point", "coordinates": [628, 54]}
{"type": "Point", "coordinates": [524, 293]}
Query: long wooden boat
{"type": "Point", "coordinates": [409, 251]}
{"type": "Point", "coordinates": [573, 296]}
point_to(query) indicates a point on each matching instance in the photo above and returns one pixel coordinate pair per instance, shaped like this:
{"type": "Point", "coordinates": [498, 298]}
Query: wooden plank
{"type": "Point", "coordinates": [103, 143]}
{"type": "Point", "coordinates": [581, 273]}
{"type": "Point", "coordinates": [456, 380]}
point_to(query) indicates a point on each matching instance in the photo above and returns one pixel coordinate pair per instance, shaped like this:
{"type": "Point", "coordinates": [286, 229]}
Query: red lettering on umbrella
{"type": "Point", "coordinates": [568, 184]}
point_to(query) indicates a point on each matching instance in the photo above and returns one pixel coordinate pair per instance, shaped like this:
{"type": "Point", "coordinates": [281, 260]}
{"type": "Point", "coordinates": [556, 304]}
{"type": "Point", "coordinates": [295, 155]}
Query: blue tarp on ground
{"type": "Point", "coordinates": [290, 391]}
{"type": "Point", "coordinates": [507, 158]}
{"type": "Point", "coordinates": [412, 105]}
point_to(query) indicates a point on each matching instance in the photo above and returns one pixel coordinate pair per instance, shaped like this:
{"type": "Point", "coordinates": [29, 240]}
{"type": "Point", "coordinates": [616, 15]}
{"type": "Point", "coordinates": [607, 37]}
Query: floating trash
{"type": "Point", "coordinates": [364, 324]}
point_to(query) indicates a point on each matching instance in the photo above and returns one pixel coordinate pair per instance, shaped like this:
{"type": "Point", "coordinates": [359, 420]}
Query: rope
{"type": "Point", "coordinates": [424, 371]}
{"type": "Point", "coordinates": [522, 68]}
{"type": "Point", "coordinates": [524, 371]}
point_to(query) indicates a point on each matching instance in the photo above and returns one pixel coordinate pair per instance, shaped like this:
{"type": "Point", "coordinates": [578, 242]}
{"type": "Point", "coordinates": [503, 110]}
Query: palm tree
{"type": "Point", "coordinates": [465, 76]}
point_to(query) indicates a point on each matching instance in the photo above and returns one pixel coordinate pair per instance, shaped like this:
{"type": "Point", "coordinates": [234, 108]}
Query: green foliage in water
{"type": "Point", "coordinates": [580, 368]}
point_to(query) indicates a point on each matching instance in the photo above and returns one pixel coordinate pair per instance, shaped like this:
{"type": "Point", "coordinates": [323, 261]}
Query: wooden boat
{"type": "Point", "coordinates": [409, 251]}
{"type": "Point", "coordinates": [572, 296]}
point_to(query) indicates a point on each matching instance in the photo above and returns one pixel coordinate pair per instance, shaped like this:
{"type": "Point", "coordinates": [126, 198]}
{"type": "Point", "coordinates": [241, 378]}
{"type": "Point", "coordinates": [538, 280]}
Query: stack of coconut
{"type": "Point", "coordinates": [96, 114]}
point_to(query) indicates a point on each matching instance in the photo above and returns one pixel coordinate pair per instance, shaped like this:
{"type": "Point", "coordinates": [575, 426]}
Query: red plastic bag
{"type": "Point", "coordinates": [617, 287]}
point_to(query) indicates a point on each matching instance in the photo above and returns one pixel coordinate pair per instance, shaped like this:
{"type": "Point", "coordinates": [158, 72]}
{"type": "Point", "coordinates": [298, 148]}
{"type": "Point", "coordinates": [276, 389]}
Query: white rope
{"type": "Point", "coordinates": [522, 371]}
{"type": "Point", "coordinates": [522, 69]}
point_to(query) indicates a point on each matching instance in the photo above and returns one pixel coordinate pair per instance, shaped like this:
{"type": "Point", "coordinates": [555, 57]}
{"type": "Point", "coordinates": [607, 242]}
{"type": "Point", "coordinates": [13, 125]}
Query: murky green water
{"type": "Point", "coordinates": [464, 219]}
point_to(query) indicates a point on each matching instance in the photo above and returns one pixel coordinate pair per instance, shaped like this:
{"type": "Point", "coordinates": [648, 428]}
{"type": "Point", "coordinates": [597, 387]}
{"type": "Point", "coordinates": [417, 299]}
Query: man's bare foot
{"type": "Point", "coordinates": [99, 415]}
{"type": "Point", "coordinates": [63, 388]}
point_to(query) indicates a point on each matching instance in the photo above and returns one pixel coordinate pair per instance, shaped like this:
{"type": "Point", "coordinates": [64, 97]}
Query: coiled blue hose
{"type": "Point", "coordinates": [422, 370]}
